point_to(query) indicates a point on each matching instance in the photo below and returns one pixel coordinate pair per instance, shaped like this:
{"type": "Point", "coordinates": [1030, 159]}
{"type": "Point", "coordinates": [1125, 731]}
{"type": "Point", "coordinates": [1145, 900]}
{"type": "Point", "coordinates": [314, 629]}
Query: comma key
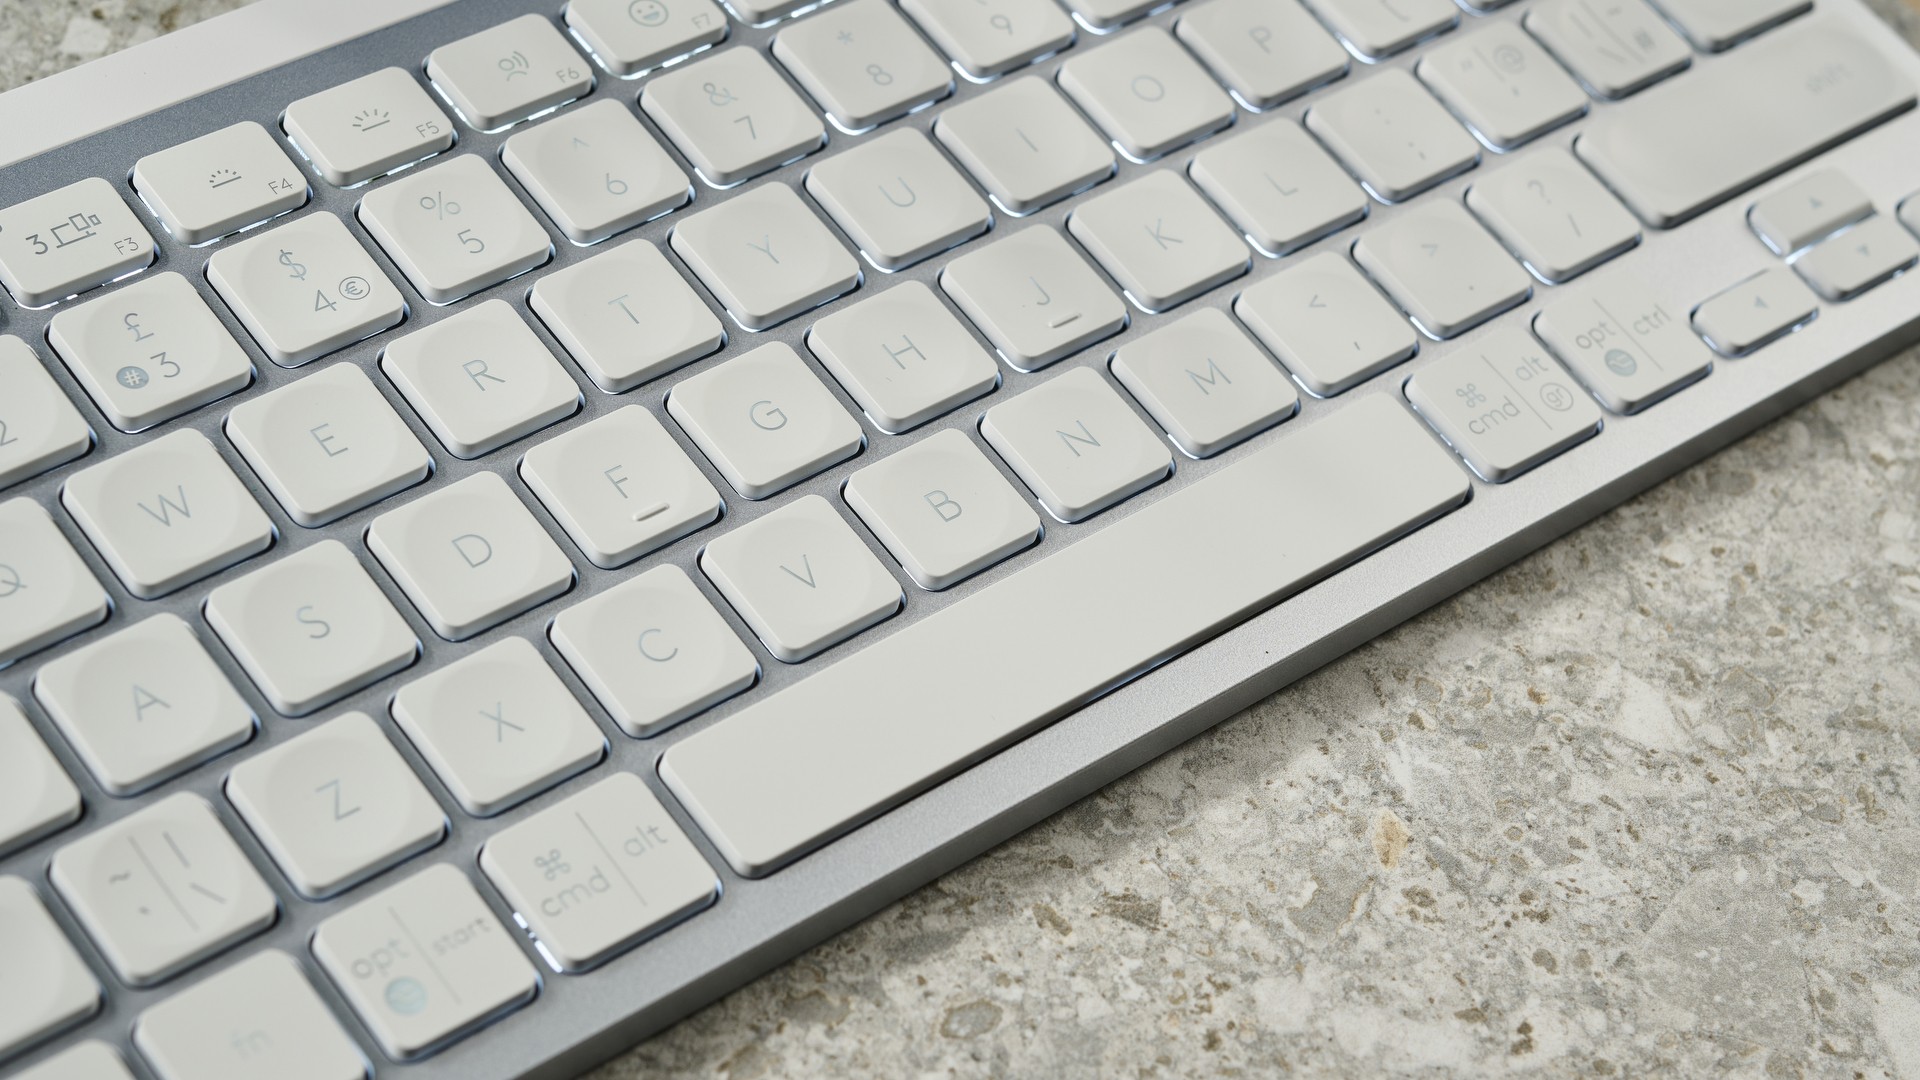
{"type": "Point", "coordinates": [1503, 404]}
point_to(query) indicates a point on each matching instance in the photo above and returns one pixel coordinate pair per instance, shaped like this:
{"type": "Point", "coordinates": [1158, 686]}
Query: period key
{"type": "Point", "coordinates": [1503, 404]}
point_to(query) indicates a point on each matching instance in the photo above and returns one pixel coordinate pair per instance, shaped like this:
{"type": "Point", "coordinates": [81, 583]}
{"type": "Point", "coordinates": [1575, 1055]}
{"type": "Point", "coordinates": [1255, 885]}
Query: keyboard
{"type": "Point", "coordinates": [516, 522]}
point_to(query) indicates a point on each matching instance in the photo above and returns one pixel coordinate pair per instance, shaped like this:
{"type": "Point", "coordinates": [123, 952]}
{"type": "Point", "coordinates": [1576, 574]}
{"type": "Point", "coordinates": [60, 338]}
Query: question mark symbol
{"type": "Point", "coordinates": [1542, 189]}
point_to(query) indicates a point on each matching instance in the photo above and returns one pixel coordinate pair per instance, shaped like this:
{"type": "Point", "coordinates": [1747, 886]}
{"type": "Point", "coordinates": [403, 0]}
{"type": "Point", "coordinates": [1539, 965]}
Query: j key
{"type": "Point", "coordinates": [765, 420]}
{"type": "Point", "coordinates": [1146, 93]}
{"type": "Point", "coordinates": [1503, 404]}
{"type": "Point", "coordinates": [150, 351]}
{"type": "Point", "coordinates": [1809, 209]}
{"type": "Point", "coordinates": [1714, 25]}
{"type": "Point", "coordinates": [1328, 324]}
{"type": "Point", "coordinates": [1755, 312]}
{"type": "Point", "coordinates": [626, 316]}
{"type": "Point", "coordinates": [631, 39]}
{"type": "Point", "coordinates": [1617, 47]}
{"type": "Point", "coordinates": [1278, 186]}
{"type": "Point", "coordinates": [1553, 214]}
{"type": "Point", "coordinates": [507, 73]}
{"type": "Point", "coordinates": [1624, 341]}
{"type": "Point", "coordinates": [766, 256]}
{"type": "Point", "coordinates": [455, 229]}
{"type": "Point", "coordinates": [863, 63]}
{"type": "Point", "coordinates": [801, 578]}
{"type": "Point", "coordinates": [45, 984]}
{"type": "Point", "coordinates": [733, 116]}
{"type": "Point", "coordinates": [1076, 444]}
{"type": "Point", "coordinates": [49, 594]}
{"type": "Point", "coordinates": [942, 509]}
{"type": "Point", "coordinates": [1443, 269]}
{"type": "Point", "coordinates": [1849, 264]}
{"type": "Point", "coordinates": [903, 357]}
{"type": "Point", "coordinates": [1266, 51]}
{"type": "Point", "coordinates": [208, 187]}
{"type": "Point", "coordinates": [1377, 28]}
{"type": "Point", "coordinates": [68, 241]}
{"type": "Point", "coordinates": [39, 427]}
{"type": "Point", "coordinates": [36, 798]}
{"type": "Point", "coordinates": [368, 127]}
{"type": "Point", "coordinates": [1033, 297]}
{"type": "Point", "coordinates": [305, 289]}
{"type": "Point", "coordinates": [1159, 240]}
{"type": "Point", "coordinates": [620, 486]}
{"type": "Point", "coordinates": [1025, 145]}
{"type": "Point", "coordinates": [481, 379]}
{"type": "Point", "coordinates": [259, 1017]}
{"type": "Point", "coordinates": [1393, 135]}
{"type": "Point", "coordinates": [1205, 383]}
{"type": "Point", "coordinates": [1503, 85]}
{"type": "Point", "coordinates": [898, 199]}
{"type": "Point", "coordinates": [992, 37]}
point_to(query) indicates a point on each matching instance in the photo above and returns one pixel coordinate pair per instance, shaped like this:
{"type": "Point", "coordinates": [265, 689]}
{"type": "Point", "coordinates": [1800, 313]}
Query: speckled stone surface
{"type": "Point", "coordinates": [1645, 803]}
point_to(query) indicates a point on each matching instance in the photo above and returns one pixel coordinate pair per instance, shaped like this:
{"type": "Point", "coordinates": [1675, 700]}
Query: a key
{"type": "Point", "coordinates": [305, 289]}
{"type": "Point", "coordinates": [620, 486]}
{"type": "Point", "coordinates": [1033, 297]}
{"type": "Point", "coordinates": [36, 797]}
{"type": "Point", "coordinates": [410, 1000]}
{"type": "Point", "coordinates": [507, 73]}
{"type": "Point", "coordinates": [1076, 445]}
{"type": "Point", "coordinates": [328, 445]}
{"type": "Point", "coordinates": [1616, 47]}
{"type": "Point", "coordinates": [69, 241]}
{"type": "Point", "coordinates": [1205, 383]}
{"type": "Point", "coordinates": [1159, 240]}
{"type": "Point", "coordinates": [1329, 326]}
{"type": "Point", "coordinates": [598, 872]}
{"type": "Point", "coordinates": [903, 357]}
{"type": "Point", "coordinates": [1266, 51]}
{"type": "Point", "coordinates": [1503, 404]}
{"type": "Point", "coordinates": [765, 420]}
{"type": "Point", "coordinates": [167, 513]}
{"type": "Point", "coordinates": [335, 805]}
{"type": "Point", "coordinates": [1844, 266]}
{"type": "Point", "coordinates": [1759, 310]}
{"type": "Point", "coordinates": [143, 705]}
{"type": "Point", "coordinates": [149, 352]}
{"type": "Point", "coordinates": [39, 427]}
{"type": "Point", "coordinates": [1278, 186]}
{"type": "Point", "coordinates": [162, 889]}
{"type": "Point", "coordinates": [90, 1060]}
{"type": "Point", "coordinates": [1025, 145]}
{"type": "Point", "coordinates": [1553, 214]}
{"type": "Point", "coordinates": [44, 983]}
{"type": "Point", "coordinates": [1378, 28]}
{"type": "Point", "coordinates": [765, 256]}
{"type": "Point", "coordinates": [368, 127]}
{"type": "Point", "coordinates": [992, 37]}
{"type": "Point", "coordinates": [862, 63]}
{"type": "Point", "coordinates": [733, 116]}
{"type": "Point", "coordinates": [1503, 85]}
{"type": "Point", "coordinates": [481, 379]}
{"type": "Point", "coordinates": [898, 199]}
{"type": "Point", "coordinates": [626, 316]}
{"type": "Point", "coordinates": [1716, 25]}
{"type": "Point", "coordinates": [801, 579]}
{"type": "Point", "coordinates": [455, 229]}
{"type": "Point", "coordinates": [942, 509]}
{"type": "Point", "coordinates": [1146, 93]}
{"type": "Point", "coordinates": [46, 593]}
{"type": "Point", "coordinates": [596, 171]}
{"type": "Point", "coordinates": [1443, 269]}
{"type": "Point", "coordinates": [259, 1017]}
{"type": "Point", "coordinates": [653, 651]}
{"type": "Point", "coordinates": [1624, 341]}
{"type": "Point", "coordinates": [498, 727]}
{"type": "Point", "coordinates": [630, 38]}
{"type": "Point", "coordinates": [311, 628]}
{"type": "Point", "coordinates": [1395, 137]}
{"type": "Point", "coordinates": [229, 179]}
{"type": "Point", "coordinates": [1808, 210]}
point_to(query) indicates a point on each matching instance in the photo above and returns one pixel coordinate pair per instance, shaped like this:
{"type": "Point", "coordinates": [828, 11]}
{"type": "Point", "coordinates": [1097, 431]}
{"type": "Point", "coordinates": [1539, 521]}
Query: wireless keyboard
{"type": "Point", "coordinates": [518, 521]}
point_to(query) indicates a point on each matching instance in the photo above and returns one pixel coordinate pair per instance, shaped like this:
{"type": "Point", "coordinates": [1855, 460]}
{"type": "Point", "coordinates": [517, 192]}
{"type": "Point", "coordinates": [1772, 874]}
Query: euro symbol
{"type": "Point", "coordinates": [10, 581]}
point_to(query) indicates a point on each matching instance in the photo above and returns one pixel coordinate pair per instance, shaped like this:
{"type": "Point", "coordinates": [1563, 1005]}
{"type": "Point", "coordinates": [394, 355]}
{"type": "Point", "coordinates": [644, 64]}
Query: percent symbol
{"type": "Point", "coordinates": [440, 204]}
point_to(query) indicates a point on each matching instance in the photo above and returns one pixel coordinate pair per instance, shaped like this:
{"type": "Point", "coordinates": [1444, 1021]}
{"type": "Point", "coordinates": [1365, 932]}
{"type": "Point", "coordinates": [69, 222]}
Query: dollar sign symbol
{"type": "Point", "coordinates": [297, 271]}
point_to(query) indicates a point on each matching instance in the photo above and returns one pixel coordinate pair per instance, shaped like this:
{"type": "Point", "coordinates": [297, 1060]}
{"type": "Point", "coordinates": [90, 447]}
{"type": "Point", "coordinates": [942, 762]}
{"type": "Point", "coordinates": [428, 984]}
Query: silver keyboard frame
{"type": "Point", "coordinates": [580, 1020]}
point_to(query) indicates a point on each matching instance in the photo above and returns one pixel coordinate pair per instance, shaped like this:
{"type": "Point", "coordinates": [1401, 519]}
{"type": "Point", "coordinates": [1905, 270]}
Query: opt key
{"type": "Point", "coordinates": [1627, 344]}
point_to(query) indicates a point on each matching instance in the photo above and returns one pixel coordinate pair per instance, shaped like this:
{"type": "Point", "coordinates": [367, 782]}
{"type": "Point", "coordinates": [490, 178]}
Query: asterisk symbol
{"type": "Point", "coordinates": [845, 38]}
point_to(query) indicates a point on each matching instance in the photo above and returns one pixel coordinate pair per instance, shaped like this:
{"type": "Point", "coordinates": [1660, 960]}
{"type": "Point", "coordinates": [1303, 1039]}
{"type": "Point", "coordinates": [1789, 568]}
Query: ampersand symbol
{"type": "Point", "coordinates": [719, 96]}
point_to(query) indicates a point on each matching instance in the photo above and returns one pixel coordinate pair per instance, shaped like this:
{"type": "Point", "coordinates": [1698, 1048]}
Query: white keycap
{"type": "Point", "coordinates": [1443, 269]}
{"type": "Point", "coordinates": [1552, 213]}
{"type": "Point", "coordinates": [1395, 137]}
{"type": "Point", "coordinates": [1714, 25]}
{"type": "Point", "coordinates": [328, 445]}
{"type": "Point", "coordinates": [259, 1017]}
{"type": "Point", "coordinates": [90, 1060]}
{"type": "Point", "coordinates": [481, 379]}
{"type": "Point", "coordinates": [899, 199]}
{"type": "Point", "coordinates": [150, 352]}
{"type": "Point", "coordinates": [992, 37]}
{"type": "Point", "coordinates": [1616, 47]}
{"type": "Point", "coordinates": [1266, 51]}
{"type": "Point", "coordinates": [167, 513]}
{"type": "Point", "coordinates": [1146, 93]}
{"type": "Point", "coordinates": [36, 797]}
{"type": "Point", "coordinates": [620, 486]}
{"type": "Point", "coordinates": [1076, 444]}
{"type": "Point", "coordinates": [765, 420]}
{"type": "Point", "coordinates": [1810, 209]}
{"type": "Point", "coordinates": [144, 704]}
{"type": "Point", "coordinates": [862, 63]}
{"type": "Point", "coordinates": [46, 593]}
{"type": "Point", "coordinates": [1377, 28]}
{"type": "Point", "coordinates": [1624, 341]}
{"type": "Point", "coordinates": [687, 661]}
{"type": "Point", "coordinates": [903, 357]}
{"type": "Point", "coordinates": [1755, 312]}
{"type": "Point", "coordinates": [205, 188]}
{"type": "Point", "coordinates": [1103, 16]}
{"type": "Point", "coordinates": [1159, 240]}
{"type": "Point", "coordinates": [68, 241]}
{"type": "Point", "coordinates": [599, 872]}
{"type": "Point", "coordinates": [1503, 85]}
{"type": "Point", "coordinates": [368, 127]}
{"type": "Point", "coordinates": [413, 1000]}
{"type": "Point", "coordinates": [335, 805]}
{"type": "Point", "coordinates": [311, 628]}
{"type": "Point", "coordinates": [801, 579]}
{"type": "Point", "coordinates": [626, 316]}
{"type": "Point", "coordinates": [733, 116]}
{"type": "Point", "coordinates": [1025, 145]}
{"type": "Point", "coordinates": [39, 427]}
{"type": "Point", "coordinates": [632, 37]}
{"type": "Point", "coordinates": [507, 73]}
{"type": "Point", "coordinates": [1033, 297]}
{"type": "Point", "coordinates": [1329, 325]}
{"type": "Point", "coordinates": [1278, 186]}
{"type": "Point", "coordinates": [765, 256]}
{"type": "Point", "coordinates": [498, 726]}
{"type": "Point", "coordinates": [305, 289]}
{"type": "Point", "coordinates": [455, 229]}
{"type": "Point", "coordinates": [1205, 383]}
{"type": "Point", "coordinates": [162, 889]}
{"type": "Point", "coordinates": [942, 509]}
{"type": "Point", "coordinates": [1503, 404]}
{"type": "Point", "coordinates": [44, 985]}
{"type": "Point", "coordinates": [596, 171]}
{"type": "Point", "coordinates": [1844, 266]}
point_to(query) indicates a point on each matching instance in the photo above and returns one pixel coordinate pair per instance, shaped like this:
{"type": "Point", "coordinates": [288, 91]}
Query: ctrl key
{"type": "Point", "coordinates": [1503, 404]}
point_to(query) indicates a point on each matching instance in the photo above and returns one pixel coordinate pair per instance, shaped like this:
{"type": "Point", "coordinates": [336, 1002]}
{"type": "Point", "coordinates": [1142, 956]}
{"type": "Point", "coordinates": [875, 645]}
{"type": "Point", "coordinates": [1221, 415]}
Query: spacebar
{"type": "Point", "coordinates": [791, 772]}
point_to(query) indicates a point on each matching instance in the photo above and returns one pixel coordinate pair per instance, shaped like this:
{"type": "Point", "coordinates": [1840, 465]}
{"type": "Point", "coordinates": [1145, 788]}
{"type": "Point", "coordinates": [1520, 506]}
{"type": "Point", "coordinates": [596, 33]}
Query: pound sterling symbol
{"type": "Point", "coordinates": [295, 270]}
